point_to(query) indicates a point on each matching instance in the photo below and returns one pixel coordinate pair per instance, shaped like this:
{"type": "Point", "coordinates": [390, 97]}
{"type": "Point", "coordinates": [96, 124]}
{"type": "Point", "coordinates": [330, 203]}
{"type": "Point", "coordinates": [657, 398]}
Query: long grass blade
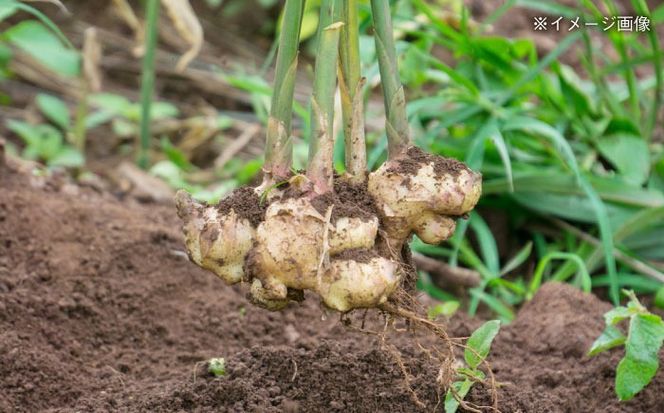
{"type": "Point", "coordinates": [562, 146]}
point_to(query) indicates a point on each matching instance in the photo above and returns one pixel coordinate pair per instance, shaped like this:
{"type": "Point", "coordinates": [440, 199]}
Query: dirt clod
{"type": "Point", "coordinates": [349, 200]}
{"type": "Point", "coordinates": [358, 255]}
{"type": "Point", "coordinates": [246, 203]}
{"type": "Point", "coordinates": [416, 157]}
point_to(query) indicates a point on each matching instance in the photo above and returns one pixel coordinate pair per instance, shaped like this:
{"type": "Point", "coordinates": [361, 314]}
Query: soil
{"type": "Point", "coordinates": [100, 311]}
{"type": "Point", "coordinates": [359, 255]}
{"type": "Point", "coordinates": [415, 157]}
{"type": "Point", "coordinates": [349, 200]}
{"type": "Point", "coordinates": [246, 204]}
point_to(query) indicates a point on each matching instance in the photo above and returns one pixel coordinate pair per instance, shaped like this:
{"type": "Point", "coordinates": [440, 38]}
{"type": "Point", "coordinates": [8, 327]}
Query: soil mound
{"type": "Point", "coordinates": [100, 311]}
{"type": "Point", "coordinates": [541, 359]}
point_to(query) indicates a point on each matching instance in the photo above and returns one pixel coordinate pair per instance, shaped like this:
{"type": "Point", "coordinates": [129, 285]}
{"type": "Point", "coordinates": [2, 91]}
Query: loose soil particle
{"type": "Point", "coordinates": [349, 200]}
{"type": "Point", "coordinates": [412, 161]}
{"type": "Point", "coordinates": [100, 312]}
{"type": "Point", "coordinates": [359, 255]}
{"type": "Point", "coordinates": [246, 203]}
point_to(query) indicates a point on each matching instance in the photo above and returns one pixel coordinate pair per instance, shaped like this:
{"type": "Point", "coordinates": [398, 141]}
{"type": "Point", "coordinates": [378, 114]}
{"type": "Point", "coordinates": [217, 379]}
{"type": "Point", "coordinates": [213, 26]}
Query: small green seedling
{"type": "Point", "coordinates": [47, 142]}
{"type": "Point", "coordinates": [446, 309]}
{"type": "Point", "coordinates": [477, 349]}
{"type": "Point", "coordinates": [124, 114]}
{"type": "Point", "coordinates": [217, 366]}
{"type": "Point", "coordinates": [642, 344]}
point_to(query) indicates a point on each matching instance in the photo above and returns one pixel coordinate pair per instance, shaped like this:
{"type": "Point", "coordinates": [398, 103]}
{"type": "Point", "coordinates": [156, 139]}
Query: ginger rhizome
{"type": "Point", "coordinates": [341, 237]}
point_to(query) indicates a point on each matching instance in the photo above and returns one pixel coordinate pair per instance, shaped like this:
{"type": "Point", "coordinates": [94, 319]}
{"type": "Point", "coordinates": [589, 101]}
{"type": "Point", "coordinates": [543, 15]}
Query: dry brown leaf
{"type": "Point", "coordinates": [92, 59]}
{"type": "Point", "coordinates": [126, 13]}
{"type": "Point", "coordinates": [188, 27]}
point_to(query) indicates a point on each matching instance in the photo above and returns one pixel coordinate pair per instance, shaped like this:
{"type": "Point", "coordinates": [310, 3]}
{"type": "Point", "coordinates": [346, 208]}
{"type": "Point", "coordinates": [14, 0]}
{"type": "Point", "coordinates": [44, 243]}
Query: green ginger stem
{"type": "Point", "coordinates": [395, 102]}
{"type": "Point", "coordinates": [279, 145]}
{"type": "Point", "coordinates": [350, 85]}
{"type": "Point", "coordinates": [321, 145]}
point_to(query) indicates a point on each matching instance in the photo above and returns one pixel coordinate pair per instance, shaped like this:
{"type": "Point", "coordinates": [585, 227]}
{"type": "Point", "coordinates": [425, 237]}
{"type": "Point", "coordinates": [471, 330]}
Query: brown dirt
{"type": "Point", "coordinates": [415, 157]}
{"type": "Point", "coordinates": [359, 255]}
{"type": "Point", "coordinates": [246, 204]}
{"type": "Point", "coordinates": [100, 312]}
{"type": "Point", "coordinates": [541, 358]}
{"type": "Point", "coordinates": [349, 200]}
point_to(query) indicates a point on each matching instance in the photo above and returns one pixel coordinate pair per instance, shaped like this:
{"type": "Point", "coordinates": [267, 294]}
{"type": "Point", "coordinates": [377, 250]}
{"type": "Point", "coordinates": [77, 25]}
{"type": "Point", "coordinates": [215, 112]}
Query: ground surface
{"type": "Point", "coordinates": [100, 312]}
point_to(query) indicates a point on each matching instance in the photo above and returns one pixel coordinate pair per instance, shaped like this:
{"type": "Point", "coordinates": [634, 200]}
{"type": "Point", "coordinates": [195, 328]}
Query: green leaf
{"type": "Point", "coordinates": [5, 57]}
{"type": "Point", "coordinates": [479, 343]}
{"type": "Point", "coordinates": [572, 257]}
{"type": "Point", "coordinates": [616, 315]}
{"type": "Point", "coordinates": [98, 118]}
{"type": "Point", "coordinates": [574, 92]}
{"type": "Point", "coordinates": [175, 155]}
{"type": "Point", "coordinates": [499, 142]}
{"type": "Point", "coordinates": [659, 298]}
{"type": "Point", "coordinates": [7, 9]}
{"type": "Point", "coordinates": [119, 105]}
{"type": "Point", "coordinates": [43, 142]}
{"type": "Point", "coordinates": [446, 309]}
{"type": "Point", "coordinates": [224, 122]}
{"type": "Point", "coordinates": [124, 128]}
{"type": "Point", "coordinates": [556, 181]}
{"type": "Point", "coordinates": [42, 18]}
{"type": "Point", "coordinates": [39, 42]}
{"type": "Point", "coordinates": [548, 7]}
{"type": "Point", "coordinates": [517, 287]}
{"type": "Point", "coordinates": [158, 110]}
{"type": "Point", "coordinates": [169, 172]}
{"type": "Point", "coordinates": [474, 159]}
{"type": "Point", "coordinates": [486, 241]}
{"type": "Point", "coordinates": [472, 374]}
{"type": "Point", "coordinates": [248, 171]}
{"type": "Point", "coordinates": [494, 303]}
{"type": "Point", "coordinates": [110, 102]}
{"type": "Point", "coordinates": [632, 375]}
{"type": "Point", "coordinates": [544, 130]}
{"type": "Point", "coordinates": [574, 207]}
{"type": "Point", "coordinates": [67, 157]}
{"type": "Point", "coordinates": [606, 236]}
{"type": "Point", "coordinates": [619, 125]}
{"type": "Point", "coordinates": [658, 15]}
{"type": "Point", "coordinates": [641, 361]}
{"type": "Point", "coordinates": [309, 24]}
{"type": "Point", "coordinates": [611, 337]}
{"type": "Point", "coordinates": [29, 133]}
{"type": "Point", "coordinates": [163, 110]}
{"type": "Point", "coordinates": [518, 259]}
{"type": "Point", "coordinates": [629, 154]}
{"type": "Point", "coordinates": [461, 388]}
{"type": "Point", "coordinates": [637, 282]}
{"type": "Point", "coordinates": [54, 109]}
